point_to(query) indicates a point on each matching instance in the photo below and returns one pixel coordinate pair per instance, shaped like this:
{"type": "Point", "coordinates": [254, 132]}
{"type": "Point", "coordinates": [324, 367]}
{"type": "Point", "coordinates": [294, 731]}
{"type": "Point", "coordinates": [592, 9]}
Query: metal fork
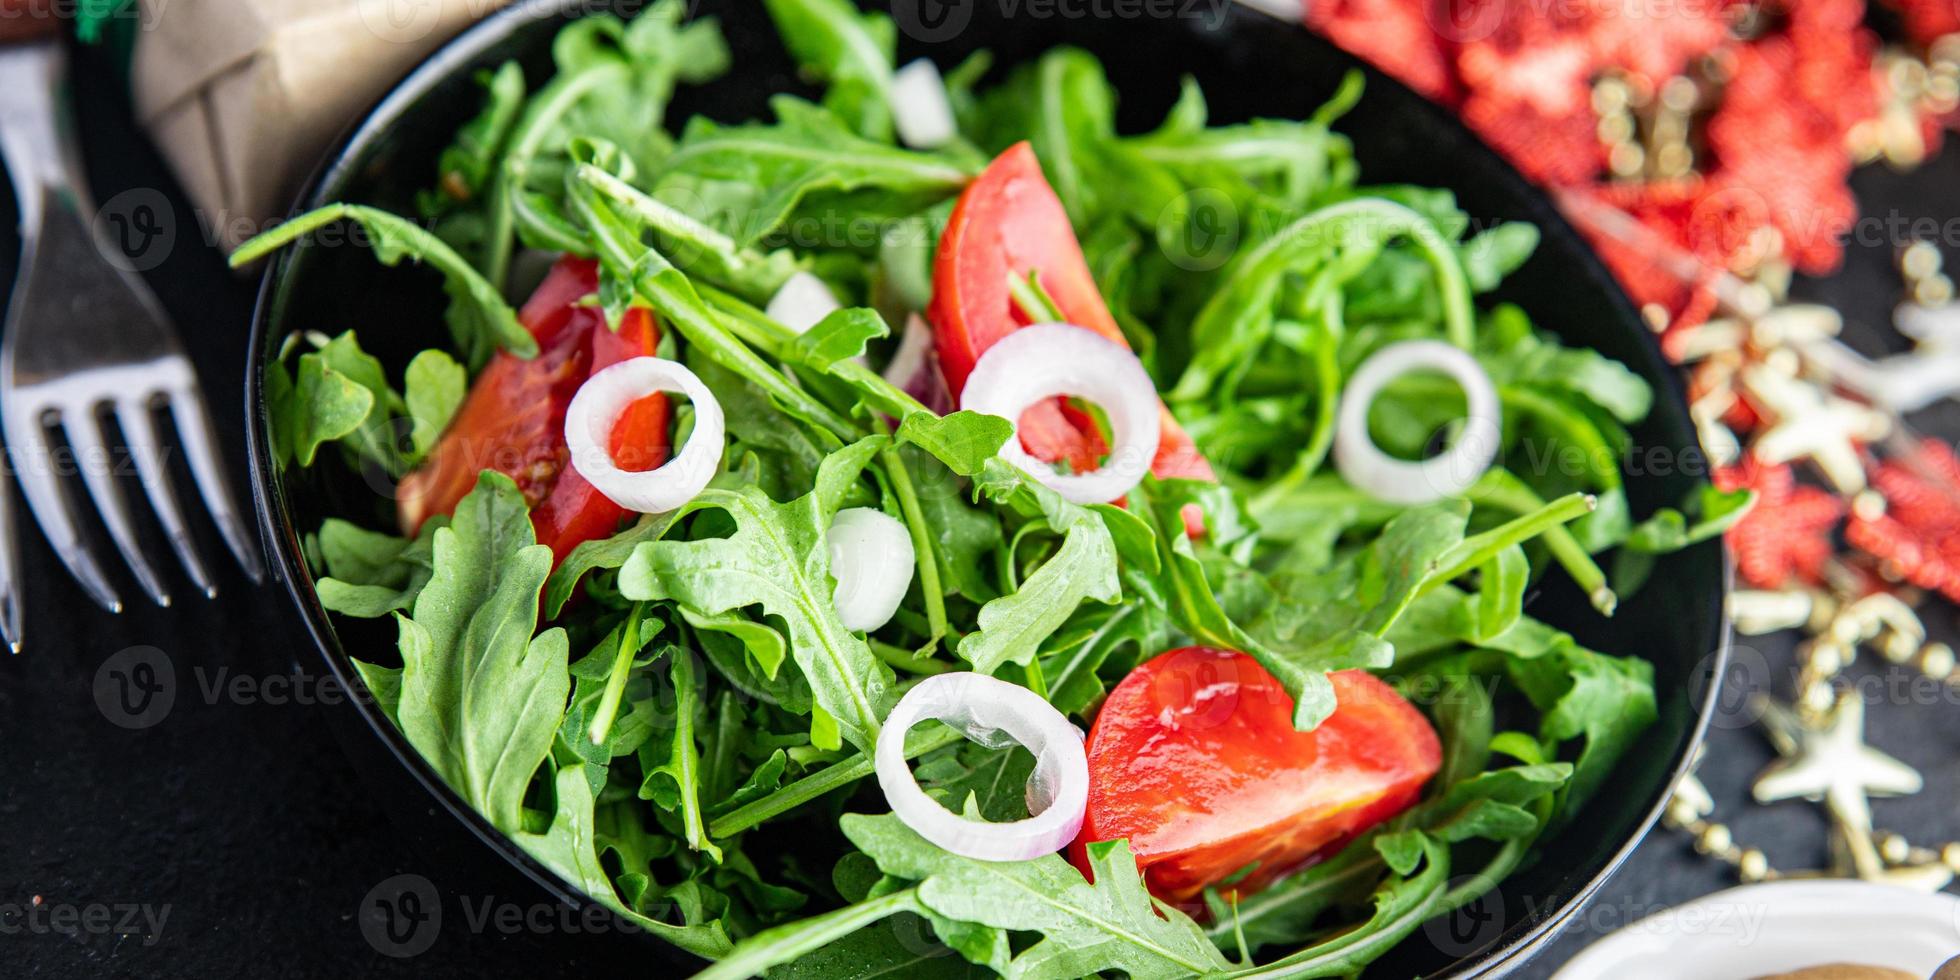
{"type": "Point", "coordinates": [86, 337]}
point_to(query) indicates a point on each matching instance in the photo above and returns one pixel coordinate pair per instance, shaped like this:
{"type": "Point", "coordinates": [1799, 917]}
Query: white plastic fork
{"type": "Point", "coordinates": [85, 336]}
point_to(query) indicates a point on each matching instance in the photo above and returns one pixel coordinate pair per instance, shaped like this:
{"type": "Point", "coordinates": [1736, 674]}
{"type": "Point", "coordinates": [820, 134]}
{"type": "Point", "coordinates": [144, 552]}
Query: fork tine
{"type": "Point", "coordinates": [140, 435]}
{"type": "Point", "coordinates": [27, 445]}
{"type": "Point", "coordinates": [194, 429]}
{"type": "Point", "coordinates": [92, 458]}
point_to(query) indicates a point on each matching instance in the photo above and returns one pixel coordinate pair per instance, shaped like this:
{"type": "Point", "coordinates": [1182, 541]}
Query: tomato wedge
{"type": "Point", "coordinates": [513, 420]}
{"type": "Point", "coordinates": [1010, 221]}
{"type": "Point", "coordinates": [1194, 759]}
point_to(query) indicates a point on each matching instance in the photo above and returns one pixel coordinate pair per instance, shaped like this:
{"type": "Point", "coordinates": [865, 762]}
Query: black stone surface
{"type": "Point", "coordinates": [229, 837]}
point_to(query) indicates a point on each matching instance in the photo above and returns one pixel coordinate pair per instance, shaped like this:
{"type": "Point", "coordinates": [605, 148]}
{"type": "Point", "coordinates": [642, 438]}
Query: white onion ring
{"type": "Point", "coordinates": [1048, 360]}
{"type": "Point", "coordinates": [996, 714]}
{"type": "Point", "coordinates": [921, 111]}
{"type": "Point", "coordinates": [871, 558]}
{"type": "Point", "coordinates": [1447, 474]}
{"type": "Point", "coordinates": [802, 302]}
{"type": "Point", "coordinates": [596, 408]}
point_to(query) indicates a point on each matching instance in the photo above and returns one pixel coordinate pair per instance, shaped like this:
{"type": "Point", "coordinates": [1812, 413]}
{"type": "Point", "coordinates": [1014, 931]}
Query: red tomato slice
{"type": "Point", "coordinates": [1194, 759]}
{"type": "Point", "coordinates": [1009, 220]}
{"type": "Point", "coordinates": [513, 420]}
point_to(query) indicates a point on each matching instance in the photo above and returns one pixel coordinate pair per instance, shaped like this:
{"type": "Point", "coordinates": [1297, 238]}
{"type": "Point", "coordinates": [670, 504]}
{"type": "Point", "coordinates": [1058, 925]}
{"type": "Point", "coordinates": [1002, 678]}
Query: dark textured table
{"type": "Point", "coordinates": [230, 837]}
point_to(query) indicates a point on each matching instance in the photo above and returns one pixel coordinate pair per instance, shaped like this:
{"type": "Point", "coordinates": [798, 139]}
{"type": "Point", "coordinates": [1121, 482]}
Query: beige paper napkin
{"type": "Point", "coordinates": [244, 96]}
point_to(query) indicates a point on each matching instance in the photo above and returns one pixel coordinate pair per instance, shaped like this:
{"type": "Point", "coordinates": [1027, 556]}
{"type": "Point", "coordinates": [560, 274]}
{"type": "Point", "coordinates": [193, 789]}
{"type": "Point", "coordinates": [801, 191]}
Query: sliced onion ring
{"type": "Point", "coordinates": [802, 302]}
{"type": "Point", "coordinates": [596, 408]}
{"type": "Point", "coordinates": [921, 111]}
{"type": "Point", "coordinates": [1447, 474]}
{"type": "Point", "coordinates": [996, 714]}
{"type": "Point", "coordinates": [1048, 360]}
{"type": "Point", "coordinates": [871, 557]}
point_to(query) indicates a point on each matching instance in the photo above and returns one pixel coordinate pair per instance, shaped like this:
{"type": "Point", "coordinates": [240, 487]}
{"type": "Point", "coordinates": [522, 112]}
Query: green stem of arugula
{"type": "Point", "coordinates": [1036, 681]}
{"type": "Point", "coordinates": [1597, 454]}
{"type": "Point", "coordinates": [1345, 953]}
{"type": "Point", "coordinates": [819, 783]}
{"type": "Point", "coordinates": [915, 525]}
{"type": "Point", "coordinates": [1327, 383]}
{"type": "Point", "coordinates": [739, 316]}
{"type": "Point", "coordinates": [1034, 301]}
{"type": "Point", "coordinates": [1502, 489]}
{"type": "Point", "coordinates": [907, 660]}
{"type": "Point", "coordinates": [1472, 552]}
{"type": "Point", "coordinates": [402, 238]}
{"type": "Point", "coordinates": [1364, 220]}
{"type": "Point", "coordinates": [1500, 866]}
{"type": "Point", "coordinates": [677, 301]}
{"type": "Point", "coordinates": [756, 329]}
{"type": "Point", "coordinates": [540, 117]}
{"type": "Point", "coordinates": [629, 645]}
{"type": "Point", "coordinates": [774, 947]}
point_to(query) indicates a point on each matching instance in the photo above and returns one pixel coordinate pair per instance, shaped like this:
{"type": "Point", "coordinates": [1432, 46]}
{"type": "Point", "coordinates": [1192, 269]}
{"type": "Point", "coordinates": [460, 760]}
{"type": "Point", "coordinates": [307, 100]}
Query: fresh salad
{"type": "Point", "coordinates": [928, 531]}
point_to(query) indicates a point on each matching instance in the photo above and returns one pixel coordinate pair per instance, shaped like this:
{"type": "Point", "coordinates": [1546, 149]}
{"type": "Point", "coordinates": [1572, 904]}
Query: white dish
{"type": "Point", "coordinates": [1758, 930]}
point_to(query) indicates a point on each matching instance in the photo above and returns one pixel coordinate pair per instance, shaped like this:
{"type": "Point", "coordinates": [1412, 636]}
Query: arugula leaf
{"type": "Point", "coordinates": [964, 441]}
{"type": "Point", "coordinates": [592, 676]}
{"type": "Point", "coordinates": [624, 261]}
{"type": "Point", "coordinates": [613, 84]}
{"type": "Point", "coordinates": [777, 559]}
{"type": "Point", "coordinates": [370, 574]}
{"type": "Point", "coordinates": [466, 165]}
{"type": "Point", "coordinates": [1500, 594]}
{"type": "Point", "coordinates": [839, 336]}
{"type": "Point", "coordinates": [433, 388]}
{"type": "Point", "coordinates": [1238, 317]}
{"type": "Point", "coordinates": [994, 780]}
{"type": "Point", "coordinates": [479, 319]}
{"type": "Point", "coordinates": [752, 177]}
{"type": "Point", "coordinates": [1608, 701]}
{"type": "Point", "coordinates": [899, 946]}
{"type": "Point", "coordinates": [1402, 904]}
{"type": "Point", "coordinates": [1110, 925]}
{"type": "Point", "coordinates": [568, 847]}
{"type": "Point", "coordinates": [1513, 353]}
{"type": "Point", "coordinates": [1286, 912]}
{"type": "Point", "coordinates": [675, 784]}
{"type": "Point", "coordinates": [318, 406]}
{"type": "Point", "coordinates": [1073, 659]}
{"type": "Point", "coordinates": [1012, 627]}
{"type": "Point", "coordinates": [598, 554]}
{"type": "Point", "coordinates": [481, 699]}
{"type": "Point", "coordinates": [964, 536]}
{"type": "Point", "coordinates": [851, 51]}
{"type": "Point", "coordinates": [765, 646]}
{"type": "Point", "coordinates": [1497, 252]}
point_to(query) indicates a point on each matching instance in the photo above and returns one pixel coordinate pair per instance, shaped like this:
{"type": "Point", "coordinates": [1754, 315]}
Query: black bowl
{"type": "Point", "coordinates": [1250, 65]}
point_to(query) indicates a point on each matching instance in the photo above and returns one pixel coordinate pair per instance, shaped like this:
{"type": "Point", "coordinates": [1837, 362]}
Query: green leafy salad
{"type": "Point", "coordinates": [928, 532]}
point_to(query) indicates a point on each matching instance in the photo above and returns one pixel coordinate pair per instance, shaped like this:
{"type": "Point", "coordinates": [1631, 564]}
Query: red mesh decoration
{"type": "Point", "coordinates": [1787, 538]}
{"type": "Point", "coordinates": [1770, 153]}
{"type": "Point", "coordinates": [1918, 535]}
